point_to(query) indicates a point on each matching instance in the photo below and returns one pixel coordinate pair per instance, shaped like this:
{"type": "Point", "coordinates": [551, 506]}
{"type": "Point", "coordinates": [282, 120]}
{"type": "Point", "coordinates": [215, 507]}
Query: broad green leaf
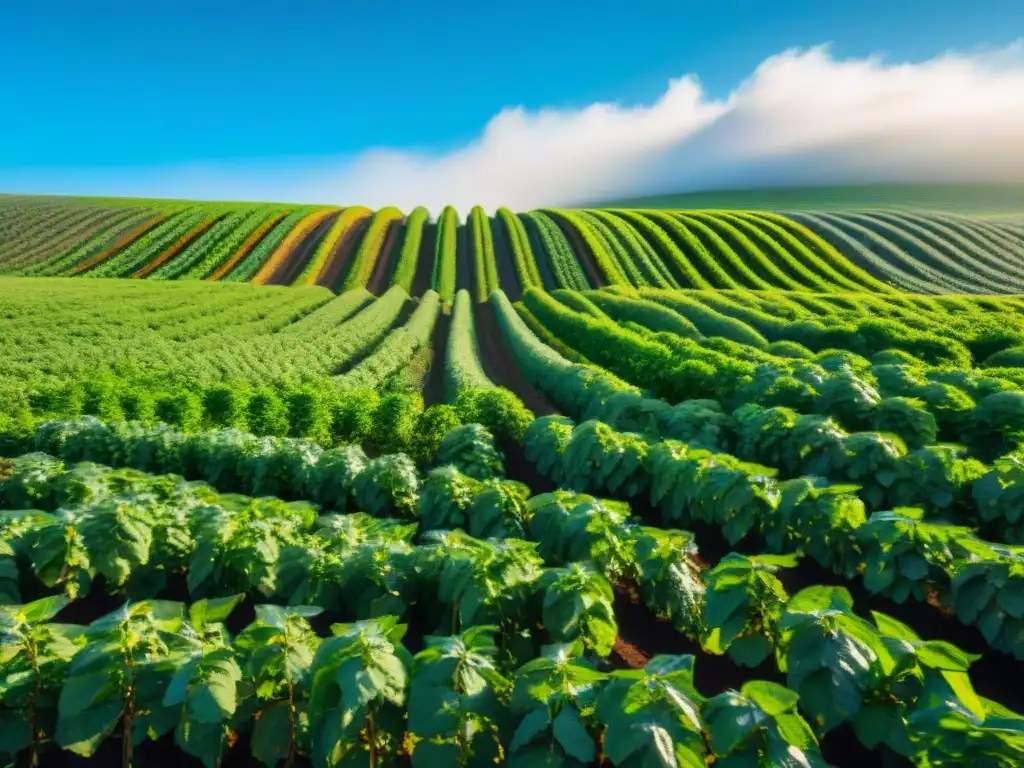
{"type": "Point", "coordinates": [271, 734]}
{"type": "Point", "coordinates": [83, 732]}
{"type": "Point", "coordinates": [773, 698]}
{"type": "Point", "coordinates": [531, 726]}
{"type": "Point", "coordinates": [573, 735]}
{"type": "Point", "coordinates": [212, 611]}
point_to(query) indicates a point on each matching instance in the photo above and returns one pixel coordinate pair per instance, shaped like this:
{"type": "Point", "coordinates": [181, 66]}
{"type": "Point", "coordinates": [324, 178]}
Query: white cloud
{"type": "Point", "coordinates": [801, 117]}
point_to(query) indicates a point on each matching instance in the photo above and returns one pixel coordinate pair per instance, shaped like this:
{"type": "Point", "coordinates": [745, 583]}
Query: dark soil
{"type": "Point", "coordinates": [338, 263]}
{"type": "Point", "coordinates": [424, 277]}
{"type": "Point", "coordinates": [433, 387]}
{"type": "Point", "coordinates": [499, 364]}
{"type": "Point", "coordinates": [287, 272]}
{"type": "Point", "coordinates": [582, 251]}
{"type": "Point", "coordinates": [508, 280]}
{"type": "Point", "coordinates": [465, 260]}
{"type": "Point", "coordinates": [384, 267]}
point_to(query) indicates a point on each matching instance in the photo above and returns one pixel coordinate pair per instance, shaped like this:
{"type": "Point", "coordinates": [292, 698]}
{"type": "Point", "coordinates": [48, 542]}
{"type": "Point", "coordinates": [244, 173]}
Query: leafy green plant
{"type": "Point", "coordinates": [470, 448]}
{"type": "Point", "coordinates": [554, 699]}
{"type": "Point", "coordinates": [652, 715]}
{"type": "Point", "coordinates": [742, 607]}
{"type": "Point", "coordinates": [499, 510]}
{"type": "Point", "coordinates": [578, 607]}
{"type": "Point", "coordinates": [36, 656]}
{"type": "Point", "coordinates": [457, 712]}
{"type": "Point", "coordinates": [571, 527]}
{"type": "Point", "coordinates": [905, 556]}
{"type": "Point", "coordinates": [276, 654]}
{"type": "Point", "coordinates": [669, 576]}
{"type": "Point", "coordinates": [360, 678]}
{"type": "Point", "coordinates": [388, 485]}
{"type": "Point", "coordinates": [116, 682]}
{"type": "Point", "coordinates": [759, 726]}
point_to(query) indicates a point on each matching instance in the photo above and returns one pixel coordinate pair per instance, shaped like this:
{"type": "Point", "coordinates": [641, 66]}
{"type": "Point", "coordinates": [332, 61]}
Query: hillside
{"type": "Point", "coordinates": [311, 485]}
{"type": "Point", "coordinates": [819, 249]}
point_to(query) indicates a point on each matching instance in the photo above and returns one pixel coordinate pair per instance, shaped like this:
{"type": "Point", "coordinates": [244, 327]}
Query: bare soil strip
{"type": "Point", "coordinates": [433, 387]}
{"type": "Point", "coordinates": [423, 280]}
{"type": "Point", "coordinates": [334, 272]}
{"type": "Point", "coordinates": [291, 265]}
{"type": "Point", "coordinates": [498, 363]}
{"type": "Point", "coordinates": [508, 280]}
{"type": "Point", "coordinates": [384, 266]}
{"type": "Point", "coordinates": [465, 260]}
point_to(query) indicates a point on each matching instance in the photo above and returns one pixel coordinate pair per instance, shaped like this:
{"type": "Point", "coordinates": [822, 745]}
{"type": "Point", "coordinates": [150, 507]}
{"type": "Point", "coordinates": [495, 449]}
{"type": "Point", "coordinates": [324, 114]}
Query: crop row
{"type": "Point", "coordinates": [366, 567]}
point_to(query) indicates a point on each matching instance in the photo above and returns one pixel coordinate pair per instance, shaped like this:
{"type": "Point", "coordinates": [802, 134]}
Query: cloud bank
{"type": "Point", "coordinates": [802, 117]}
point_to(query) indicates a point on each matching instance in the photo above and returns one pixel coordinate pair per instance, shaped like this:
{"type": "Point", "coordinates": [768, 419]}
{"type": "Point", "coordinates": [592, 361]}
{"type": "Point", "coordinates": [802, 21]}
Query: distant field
{"type": "Point", "coordinates": [981, 200]}
{"type": "Point", "coordinates": [850, 239]}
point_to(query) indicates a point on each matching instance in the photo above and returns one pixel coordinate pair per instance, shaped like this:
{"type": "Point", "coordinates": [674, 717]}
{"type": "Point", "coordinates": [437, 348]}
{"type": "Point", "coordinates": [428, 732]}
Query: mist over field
{"type": "Point", "coordinates": [802, 117]}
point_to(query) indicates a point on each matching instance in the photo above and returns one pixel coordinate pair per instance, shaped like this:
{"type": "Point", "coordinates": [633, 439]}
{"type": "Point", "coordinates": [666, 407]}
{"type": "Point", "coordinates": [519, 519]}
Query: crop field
{"type": "Point", "coordinates": [292, 485]}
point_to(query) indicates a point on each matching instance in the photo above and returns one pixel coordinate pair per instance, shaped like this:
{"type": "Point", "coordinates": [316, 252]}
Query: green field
{"type": "Point", "coordinates": [739, 483]}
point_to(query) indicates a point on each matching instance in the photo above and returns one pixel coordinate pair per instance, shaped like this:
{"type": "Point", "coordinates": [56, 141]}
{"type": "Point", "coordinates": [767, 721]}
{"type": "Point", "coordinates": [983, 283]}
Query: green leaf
{"type": "Point", "coordinates": [750, 650]}
{"type": "Point", "coordinates": [946, 656]}
{"type": "Point", "coordinates": [213, 611]}
{"type": "Point", "coordinates": [271, 734]}
{"type": "Point", "coordinates": [43, 609]}
{"type": "Point", "coordinates": [214, 700]}
{"type": "Point", "coordinates": [83, 732]}
{"type": "Point", "coordinates": [874, 723]}
{"type": "Point", "coordinates": [276, 616]}
{"type": "Point", "coordinates": [573, 736]}
{"type": "Point", "coordinates": [15, 734]}
{"type": "Point", "coordinates": [773, 698]}
{"type": "Point", "coordinates": [531, 726]}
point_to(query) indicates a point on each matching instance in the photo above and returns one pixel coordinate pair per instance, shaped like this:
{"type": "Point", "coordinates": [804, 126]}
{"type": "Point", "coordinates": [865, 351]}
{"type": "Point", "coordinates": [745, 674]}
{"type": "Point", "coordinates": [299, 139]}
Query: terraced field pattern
{"type": "Point", "coordinates": [291, 485]}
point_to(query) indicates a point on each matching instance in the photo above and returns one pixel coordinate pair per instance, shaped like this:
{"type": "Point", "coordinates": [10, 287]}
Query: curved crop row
{"type": "Point", "coordinates": [719, 250]}
{"type": "Point", "coordinates": [306, 224]}
{"type": "Point", "coordinates": [674, 261]}
{"type": "Point", "coordinates": [525, 260]}
{"type": "Point", "coordinates": [746, 250]}
{"type": "Point", "coordinates": [179, 245]}
{"type": "Point", "coordinates": [546, 238]}
{"type": "Point", "coordinates": [976, 279]}
{"type": "Point", "coordinates": [954, 244]}
{"type": "Point", "coordinates": [104, 238]}
{"type": "Point", "coordinates": [71, 234]}
{"type": "Point", "coordinates": [483, 254]}
{"type": "Point", "coordinates": [463, 369]}
{"type": "Point", "coordinates": [397, 349]}
{"type": "Point", "coordinates": [243, 264]}
{"type": "Point", "coordinates": [369, 249]}
{"type": "Point", "coordinates": [848, 273]}
{"type": "Point", "coordinates": [637, 249]}
{"type": "Point", "coordinates": [445, 255]}
{"type": "Point", "coordinates": [227, 255]}
{"type": "Point", "coordinates": [593, 240]}
{"type": "Point", "coordinates": [76, 266]}
{"type": "Point", "coordinates": [316, 267]}
{"type": "Point", "coordinates": [156, 241]}
{"type": "Point", "coordinates": [877, 264]}
{"type": "Point", "coordinates": [405, 270]}
{"type": "Point", "coordinates": [199, 249]}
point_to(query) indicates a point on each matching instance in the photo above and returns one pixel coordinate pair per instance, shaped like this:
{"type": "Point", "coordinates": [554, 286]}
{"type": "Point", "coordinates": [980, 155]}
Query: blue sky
{"type": "Point", "coordinates": [116, 85]}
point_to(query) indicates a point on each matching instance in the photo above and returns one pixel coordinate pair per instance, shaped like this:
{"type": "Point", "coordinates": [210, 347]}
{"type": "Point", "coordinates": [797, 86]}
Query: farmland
{"type": "Point", "coordinates": [308, 485]}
